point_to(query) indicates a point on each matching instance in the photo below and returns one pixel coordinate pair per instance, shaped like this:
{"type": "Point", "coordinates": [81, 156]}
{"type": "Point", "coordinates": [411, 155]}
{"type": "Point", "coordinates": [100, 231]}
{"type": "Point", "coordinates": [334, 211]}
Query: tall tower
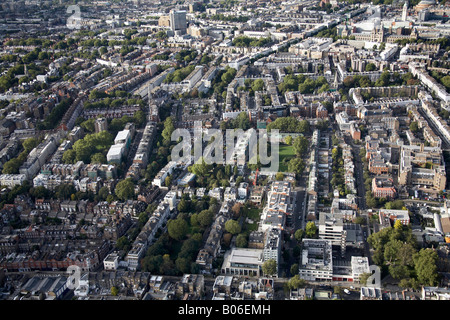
{"type": "Point", "coordinates": [178, 21]}
{"type": "Point", "coordinates": [100, 124]}
{"type": "Point", "coordinates": [405, 11]}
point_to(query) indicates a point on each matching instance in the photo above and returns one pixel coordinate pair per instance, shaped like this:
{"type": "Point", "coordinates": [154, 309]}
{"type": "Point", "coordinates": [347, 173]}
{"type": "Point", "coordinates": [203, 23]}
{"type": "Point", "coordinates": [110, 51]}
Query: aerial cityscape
{"type": "Point", "coordinates": [232, 150]}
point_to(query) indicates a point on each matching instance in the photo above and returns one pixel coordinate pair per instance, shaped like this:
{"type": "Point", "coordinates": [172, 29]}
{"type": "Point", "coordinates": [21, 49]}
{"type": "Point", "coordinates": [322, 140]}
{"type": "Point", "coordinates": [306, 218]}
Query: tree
{"type": "Point", "coordinates": [370, 67]}
{"type": "Point", "coordinates": [294, 269]}
{"type": "Point", "coordinates": [311, 229]}
{"type": "Point", "coordinates": [296, 282]}
{"type": "Point", "coordinates": [98, 158]}
{"type": "Point", "coordinates": [258, 85]}
{"type": "Point", "coordinates": [371, 202]}
{"type": "Point", "coordinates": [168, 181]}
{"type": "Point", "coordinates": [288, 140]}
{"type": "Point", "coordinates": [425, 266]}
{"type": "Point", "coordinates": [360, 220]}
{"type": "Point", "coordinates": [167, 131]}
{"type": "Point", "coordinates": [242, 121]}
{"type": "Point", "coordinates": [139, 118]}
{"type": "Point", "coordinates": [398, 225]}
{"type": "Point", "coordinates": [324, 88]}
{"type": "Point", "coordinates": [414, 127]}
{"type": "Point", "coordinates": [390, 251]}
{"type": "Point", "coordinates": [405, 254]}
{"type": "Point", "coordinates": [200, 168]}
{"type": "Point", "coordinates": [167, 266]}
{"type": "Point", "coordinates": [64, 191]}
{"type": "Point", "coordinates": [29, 144]}
{"type": "Point", "coordinates": [296, 165]}
{"type": "Point", "coordinates": [123, 243]}
{"type": "Point", "coordinates": [446, 81]}
{"type": "Point", "coordinates": [364, 277]}
{"type": "Point", "coordinates": [125, 189]}
{"type": "Point", "coordinates": [349, 82]}
{"type": "Point", "coordinates": [228, 75]}
{"type": "Point", "coordinates": [232, 226]}
{"type": "Point", "coordinates": [177, 228]}
{"type": "Point", "coordinates": [398, 271]}
{"type": "Point", "coordinates": [205, 218]}
{"type": "Point", "coordinates": [269, 267]}
{"type": "Point", "coordinates": [12, 166]}
{"type": "Point", "coordinates": [304, 126]}
{"type": "Point", "coordinates": [236, 209]}
{"type": "Point", "coordinates": [409, 283]}
{"type": "Point", "coordinates": [114, 291]}
{"type": "Point", "coordinates": [241, 241]}
{"type": "Point", "coordinates": [183, 265]}
{"type": "Point", "coordinates": [88, 146]}
{"type": "Point", "coordinates": [143, 218]}
{"type": "Point", "coordinates": [183, 205]}
{"type": "Point", "coordinates": [395, 205]}
{"type": "Point", "coordinates": [279, 176]}
{"type": "Point", "coordinates": [299, 235]}
{"type": "Point", "coordinates": [226, 239]}
{"type": "Point", "coordinates": [384, 79]}
{"type": "Point", "coordinates": [40, 192]}
{"type": "Point", "coordinates": [88, 125]}
{"type": "Point", "coordinates": [300, 145]}
{"type": "Point", "coordinates": [289, 124]}
{"type": "Point", "coordinates": [151, 263]}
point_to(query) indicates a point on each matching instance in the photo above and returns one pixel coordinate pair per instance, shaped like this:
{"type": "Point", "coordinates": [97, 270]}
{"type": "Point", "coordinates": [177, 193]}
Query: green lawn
{"type": "Point", "coordinates": [253, 214]}
{"type": "Point", "coordinates": [286, 152]}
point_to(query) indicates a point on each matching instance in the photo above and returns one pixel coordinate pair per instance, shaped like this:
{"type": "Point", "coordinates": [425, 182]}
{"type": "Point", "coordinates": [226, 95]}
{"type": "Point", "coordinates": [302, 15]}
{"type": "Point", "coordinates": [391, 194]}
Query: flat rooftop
{"type": "Point", "coordinates": [246, 256]}
{"type": "Point", "coordinates": [122, 135]}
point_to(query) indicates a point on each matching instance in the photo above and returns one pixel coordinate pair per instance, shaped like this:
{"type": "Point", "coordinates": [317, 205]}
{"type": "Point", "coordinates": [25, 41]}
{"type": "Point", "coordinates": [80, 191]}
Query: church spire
{"type": "Point", "coordinates": [405, 11]}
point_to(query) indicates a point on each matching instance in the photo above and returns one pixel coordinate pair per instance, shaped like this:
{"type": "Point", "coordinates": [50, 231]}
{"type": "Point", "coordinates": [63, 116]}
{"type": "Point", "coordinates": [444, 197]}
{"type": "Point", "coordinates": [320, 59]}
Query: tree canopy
{"type": "Point", "coordinates": [269, 267]}
{"type": "Point", "coordinates": [125, 189]}
{"type": "Point", "coordinates": [396, 248]}
{"type": "Point", "coordinates": [232, 226]}
{"type": "Point", "coordinates": [84, 149]}
{"type": "Point", "coordinates": [311, 229]}
{"type": "Point", "coordinates": [177, 228]}
{"type": "Point", "coordinates": [290, 125]}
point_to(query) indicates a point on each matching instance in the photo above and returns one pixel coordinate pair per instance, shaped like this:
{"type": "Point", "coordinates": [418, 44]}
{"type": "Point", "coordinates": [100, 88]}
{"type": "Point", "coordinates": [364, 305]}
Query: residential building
{"type": "Point", "coordinates": [100, 124]}
{"type": "Point", "coordinates": [178, 21]}
{"type": "Point", "coordinates": [111, 262]}
{"type": "Point", "coordinates": [394, 215]}
{"type": "Point", "coordinates": [316, 261]}
{"type": "Point", "coordinates": [383, 187]}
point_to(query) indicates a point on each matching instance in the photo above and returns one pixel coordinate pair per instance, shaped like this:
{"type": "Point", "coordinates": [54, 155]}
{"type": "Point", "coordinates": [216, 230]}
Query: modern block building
{"type": "Point", "coordinates": [115, 153]}
{"type": "Point", "coordinates": [316, 260]}
{"type": "Point", "coordinates": [332, 229]}
{"type": "Point", "coordinates": [272, 245]}
{"type": "Point", "coordinates": [243, 261]}
{"type": "Point", "coordinates": [279, 206]}
{"type": "Point", "coordinates": [101, 124]}
{"type": "Point", "coordinates": [111, 262]}
{"type": "Point", "coordinates": [134, 255]}
{"type": "Point", "coordinates": [178, 21]}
